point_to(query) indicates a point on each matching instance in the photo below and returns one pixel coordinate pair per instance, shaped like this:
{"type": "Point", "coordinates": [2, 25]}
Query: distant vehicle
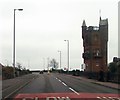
{"type": "Point", "coordinates": [41, 72]}
{"type": "Point", "coordinates": [76, 73]}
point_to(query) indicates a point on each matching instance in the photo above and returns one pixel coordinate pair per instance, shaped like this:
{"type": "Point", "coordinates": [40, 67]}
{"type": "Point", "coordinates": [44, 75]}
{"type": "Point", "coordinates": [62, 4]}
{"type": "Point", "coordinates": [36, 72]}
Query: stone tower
{"type": "Point", "coordinates": [95, 41]}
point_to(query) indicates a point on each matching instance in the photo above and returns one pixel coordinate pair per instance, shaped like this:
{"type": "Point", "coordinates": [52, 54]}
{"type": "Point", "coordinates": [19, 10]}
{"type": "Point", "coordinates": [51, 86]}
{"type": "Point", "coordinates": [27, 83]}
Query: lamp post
{"type": "Point", "coordinates": [68, 53]}
{"type": "Point", "coordinates": [14, 42]}
{"type": "Point", "coordinates": [44, 63]}
{"type": "Point", "coordinates": [60, 58]}
{"type": "Point", "coordinates": [48, 66]}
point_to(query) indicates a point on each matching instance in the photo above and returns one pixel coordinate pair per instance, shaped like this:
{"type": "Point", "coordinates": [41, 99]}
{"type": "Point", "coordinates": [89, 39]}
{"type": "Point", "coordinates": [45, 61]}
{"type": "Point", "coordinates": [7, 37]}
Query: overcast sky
{"type": "Point", "coordinates": [43, 25]}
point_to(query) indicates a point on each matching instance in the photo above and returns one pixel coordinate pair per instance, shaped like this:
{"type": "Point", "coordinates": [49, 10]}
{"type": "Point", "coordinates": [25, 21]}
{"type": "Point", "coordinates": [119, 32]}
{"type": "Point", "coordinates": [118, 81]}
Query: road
{"type": "Point", "coordinates": [51, 83]}
{"type": "Point", "coordinates": [10, 86]}
{"type": "Point", "coordinates": [60, 83]}
{"type": "Point", "coordinates": [45, 83]}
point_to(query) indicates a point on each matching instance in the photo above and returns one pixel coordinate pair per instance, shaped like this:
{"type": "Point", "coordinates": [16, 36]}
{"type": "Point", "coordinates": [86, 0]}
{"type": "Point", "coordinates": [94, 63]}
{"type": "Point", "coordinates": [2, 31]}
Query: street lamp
{"type": "Point", "coordinates": [68, 53]}
{"type": "Point", "coordinates": [14, 42]}
{"type": "Point", "coordinates": [48, 66]}
{"type": "Point", "coordinates": [60, 58]}
{"type": "Point", "coordinates": [44, 63]}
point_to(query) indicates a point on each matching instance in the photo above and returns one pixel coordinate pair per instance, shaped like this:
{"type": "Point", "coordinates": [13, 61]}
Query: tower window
{"type": "Point", "coordinates": [97, 53]}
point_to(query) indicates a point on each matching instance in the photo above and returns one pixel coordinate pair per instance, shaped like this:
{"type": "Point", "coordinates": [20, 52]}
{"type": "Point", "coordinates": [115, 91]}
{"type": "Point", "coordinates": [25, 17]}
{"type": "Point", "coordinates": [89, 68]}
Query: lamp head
{"type": "Point", "coordinates": [20, 9]}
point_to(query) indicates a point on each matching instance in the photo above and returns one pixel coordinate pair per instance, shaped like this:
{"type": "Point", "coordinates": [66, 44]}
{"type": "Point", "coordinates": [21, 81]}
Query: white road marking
{"type": "Point", "coordinates": [69, 87]}
{"type": "Point", "coordinates": [111, 98]}
{"type": "Point", "coordinates": [99, 98]}
{"type": "Point", "coordinates": [114, 98]}
{"type": "Point", "coordinates": [64, 83]}
{"type": "Point", "coordinates": [59, 80]}
{"type": "Point", "coordinates": [74, 91]}
{"type": "Point", "coordinates": [108, 98]}
{"type": "Point", "coordinates": [102, 98]}
{"type": "Point", "coordinates": [63, 98]}
{"type": "Point", "coordinates": [105, 98]}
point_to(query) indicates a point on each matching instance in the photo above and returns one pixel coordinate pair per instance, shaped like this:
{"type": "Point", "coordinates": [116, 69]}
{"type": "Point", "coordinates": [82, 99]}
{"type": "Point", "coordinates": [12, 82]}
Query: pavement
{"type": "Point", "coordinates": [106, 84]}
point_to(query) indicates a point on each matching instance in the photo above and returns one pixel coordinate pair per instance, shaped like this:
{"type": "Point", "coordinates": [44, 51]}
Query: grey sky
{"type": "Point", "coordinates": [43, 25]}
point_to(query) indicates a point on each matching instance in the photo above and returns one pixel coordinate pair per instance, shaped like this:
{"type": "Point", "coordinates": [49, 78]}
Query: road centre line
{"type": "Point", "coordinates": [69, 87]}
{"type": "Point", "coordinates": [74, 91]}
{"type": "Point", "coordinates": [59, 80]}
{"type": "Point", "coordinates": [64, 83]}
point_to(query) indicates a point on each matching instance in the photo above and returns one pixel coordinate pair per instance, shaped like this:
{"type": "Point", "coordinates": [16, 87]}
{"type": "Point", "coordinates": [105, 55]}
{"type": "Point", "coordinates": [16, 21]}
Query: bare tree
{"type": "Point", "coordinates": [54, 64]}
{"type": "Point", "coordinates": [19, 66]}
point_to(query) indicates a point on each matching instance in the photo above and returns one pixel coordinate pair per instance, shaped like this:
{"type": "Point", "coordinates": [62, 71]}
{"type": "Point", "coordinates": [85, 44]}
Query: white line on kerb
{"type": "Point", "coordinates": [74, 91]}
{"type": "Point", "coordinates": [64, 83]}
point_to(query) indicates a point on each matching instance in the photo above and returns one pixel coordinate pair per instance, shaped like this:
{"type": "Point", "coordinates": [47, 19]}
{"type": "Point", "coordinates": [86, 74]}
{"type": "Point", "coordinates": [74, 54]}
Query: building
{"type": "Point", "coordinates": [95, 40]}
{"type": "Point", "coordinates": [1, 67]}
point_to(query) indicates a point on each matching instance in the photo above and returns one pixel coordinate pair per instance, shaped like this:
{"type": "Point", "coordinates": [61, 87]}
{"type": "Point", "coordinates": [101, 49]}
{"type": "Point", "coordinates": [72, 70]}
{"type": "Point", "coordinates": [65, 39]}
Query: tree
{"type": "Point", "coordinates": [19, 66]}
{"type": "Point", "coordinates": [54, 64]}
{"type": "Point", "coordinates": [7, 72]}
{"type": "Point", "coordinates": [113, 67]}
{"type": "Point", "coordinates": [118, 67]}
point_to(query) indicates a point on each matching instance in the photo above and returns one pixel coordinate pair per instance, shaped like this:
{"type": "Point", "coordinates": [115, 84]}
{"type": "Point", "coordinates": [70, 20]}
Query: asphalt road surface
{"type": "Point", "coordinates": [60, 83]}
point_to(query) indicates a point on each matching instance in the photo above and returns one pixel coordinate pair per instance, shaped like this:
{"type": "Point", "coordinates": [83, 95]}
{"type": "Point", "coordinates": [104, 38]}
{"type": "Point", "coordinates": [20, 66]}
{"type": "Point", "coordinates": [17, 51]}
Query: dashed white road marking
{"type": "Point", "coordinates": [64, 83]}
{"type": "Point", "coordinates": [59, 80]}
{"type": "Point", "coordinates": [74, 91]}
